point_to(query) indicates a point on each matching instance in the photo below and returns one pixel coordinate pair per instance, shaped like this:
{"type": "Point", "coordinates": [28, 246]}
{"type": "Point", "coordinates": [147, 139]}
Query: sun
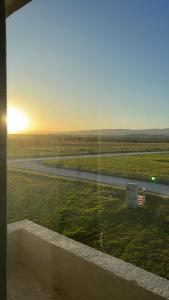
{"type": "Point", "coordinates": [16, 120]}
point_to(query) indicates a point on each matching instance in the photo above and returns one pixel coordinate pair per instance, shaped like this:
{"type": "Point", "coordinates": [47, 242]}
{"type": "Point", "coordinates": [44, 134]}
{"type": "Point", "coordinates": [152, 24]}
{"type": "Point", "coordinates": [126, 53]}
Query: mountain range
{"type": "Point", "coordinates": [122, 132]}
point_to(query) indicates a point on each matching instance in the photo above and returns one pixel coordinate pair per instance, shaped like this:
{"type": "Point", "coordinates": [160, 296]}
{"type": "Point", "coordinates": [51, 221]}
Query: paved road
{"type": "Point", "coordinates": [36, 166]}
{"type": "Point", "coordinates": [88, 155]}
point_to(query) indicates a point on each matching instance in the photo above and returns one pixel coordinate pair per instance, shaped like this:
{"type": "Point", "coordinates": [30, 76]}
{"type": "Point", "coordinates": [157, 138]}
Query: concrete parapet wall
{"type": "Point", "coordinates": [14, 243]}
{"type": "Point", "coordinates": [81, 271]}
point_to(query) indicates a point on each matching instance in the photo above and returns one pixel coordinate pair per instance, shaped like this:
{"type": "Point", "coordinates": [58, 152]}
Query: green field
{"type": "Point", "coordinates": [83, 211]}
{"type": "Point", "coordinates": [20, 145]}
{"type": "Point", "coordinates": [141, 167]}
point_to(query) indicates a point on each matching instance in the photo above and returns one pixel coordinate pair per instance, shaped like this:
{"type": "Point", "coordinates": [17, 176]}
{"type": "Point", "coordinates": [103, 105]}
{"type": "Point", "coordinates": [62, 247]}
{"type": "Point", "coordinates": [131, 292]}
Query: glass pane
{"type": "Point", "coordinates": [88, 146]}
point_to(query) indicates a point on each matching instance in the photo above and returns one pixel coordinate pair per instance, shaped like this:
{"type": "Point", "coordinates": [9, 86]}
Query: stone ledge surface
{"type": "Point", "coordinates": [90, 258]}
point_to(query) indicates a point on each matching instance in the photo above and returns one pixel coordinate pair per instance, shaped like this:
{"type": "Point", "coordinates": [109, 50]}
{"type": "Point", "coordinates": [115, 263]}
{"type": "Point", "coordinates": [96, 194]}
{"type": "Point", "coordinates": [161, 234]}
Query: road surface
{"type": "Point", "coordinates": [35, 165]}
{"type": "Point", "coordinates": [88, 155]}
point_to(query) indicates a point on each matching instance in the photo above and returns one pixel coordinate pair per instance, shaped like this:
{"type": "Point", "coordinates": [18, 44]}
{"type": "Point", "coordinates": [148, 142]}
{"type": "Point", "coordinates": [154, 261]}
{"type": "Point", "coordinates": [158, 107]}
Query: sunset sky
{"type": "Point", "coordinates": [75, 64]}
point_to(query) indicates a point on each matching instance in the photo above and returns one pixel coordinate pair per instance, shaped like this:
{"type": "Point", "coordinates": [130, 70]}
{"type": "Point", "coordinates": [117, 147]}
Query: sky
{"type": "Point", "coordinates": [75, 65]}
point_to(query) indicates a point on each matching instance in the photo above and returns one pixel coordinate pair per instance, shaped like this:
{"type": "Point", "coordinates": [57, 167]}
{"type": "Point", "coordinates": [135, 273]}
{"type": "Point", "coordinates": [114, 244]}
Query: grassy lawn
{"type": "Point", "coordinates": [83, 211]}
{"type": "Point", "coordinates": [141, 167]}
{"type": "Point", "coordinates": [20, 145]}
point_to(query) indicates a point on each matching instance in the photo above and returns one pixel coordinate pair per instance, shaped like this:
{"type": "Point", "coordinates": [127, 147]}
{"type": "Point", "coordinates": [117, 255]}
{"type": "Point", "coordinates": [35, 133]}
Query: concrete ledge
{"type": "Point", "coordinates": [81, 271]}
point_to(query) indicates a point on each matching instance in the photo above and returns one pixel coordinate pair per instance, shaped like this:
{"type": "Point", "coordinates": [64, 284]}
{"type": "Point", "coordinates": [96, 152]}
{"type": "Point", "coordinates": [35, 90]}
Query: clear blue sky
{"type": "Point", "coordinates": [75, 64]}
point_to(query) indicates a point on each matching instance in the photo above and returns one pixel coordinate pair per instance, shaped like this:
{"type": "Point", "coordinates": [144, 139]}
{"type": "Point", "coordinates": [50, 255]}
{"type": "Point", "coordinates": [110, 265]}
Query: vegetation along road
{"type": "Point", "coordinates": [82, 210]}
{"type": "Point", "coordinates": [35, 165]}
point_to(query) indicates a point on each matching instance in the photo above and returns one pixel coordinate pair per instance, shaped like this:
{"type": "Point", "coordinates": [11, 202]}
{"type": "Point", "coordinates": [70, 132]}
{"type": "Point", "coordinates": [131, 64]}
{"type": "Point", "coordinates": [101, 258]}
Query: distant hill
{"type": "Point", "coordinates": [113, 133]}
{"type": "Point", "coordinates": [122, 132]}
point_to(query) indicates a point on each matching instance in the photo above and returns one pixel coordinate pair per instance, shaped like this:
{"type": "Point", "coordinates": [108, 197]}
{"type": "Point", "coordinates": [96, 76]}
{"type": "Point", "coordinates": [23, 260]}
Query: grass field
{"type": "Point", "coordinates": [51, 145]}
{"type": "Point", "coordinates": [141, 167]}
{"type": "Point", "coordinates": [83, 211]}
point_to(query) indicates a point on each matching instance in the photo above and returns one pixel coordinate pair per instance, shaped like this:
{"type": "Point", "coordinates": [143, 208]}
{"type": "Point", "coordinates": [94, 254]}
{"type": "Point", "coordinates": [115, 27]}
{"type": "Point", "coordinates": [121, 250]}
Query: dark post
{"type": "Point", "coordinates": [3, 155]}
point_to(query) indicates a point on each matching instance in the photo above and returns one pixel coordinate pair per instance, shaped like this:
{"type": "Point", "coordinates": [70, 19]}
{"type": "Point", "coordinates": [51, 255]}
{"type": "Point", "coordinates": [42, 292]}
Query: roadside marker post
{"type": "Point", "coordinates": [134, 197]}
{"type": "Point", "coordinates": [131, 195]}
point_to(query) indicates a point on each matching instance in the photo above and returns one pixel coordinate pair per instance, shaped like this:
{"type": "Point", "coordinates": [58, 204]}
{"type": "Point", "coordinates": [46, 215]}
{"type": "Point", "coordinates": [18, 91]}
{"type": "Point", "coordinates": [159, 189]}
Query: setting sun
{"type": "Point", "coordinates": [16, 120]}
